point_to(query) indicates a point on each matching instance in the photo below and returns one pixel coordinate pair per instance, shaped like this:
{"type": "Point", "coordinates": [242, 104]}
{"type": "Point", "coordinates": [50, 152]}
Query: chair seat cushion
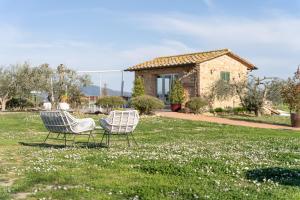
{"type": "Point", "coordinates": [87, 124]}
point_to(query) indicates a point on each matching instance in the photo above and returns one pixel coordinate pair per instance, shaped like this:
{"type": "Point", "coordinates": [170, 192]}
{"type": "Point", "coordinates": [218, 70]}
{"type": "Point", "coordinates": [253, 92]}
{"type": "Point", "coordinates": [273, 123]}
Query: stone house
{"type": "Point", "coordinates": [197, 72]}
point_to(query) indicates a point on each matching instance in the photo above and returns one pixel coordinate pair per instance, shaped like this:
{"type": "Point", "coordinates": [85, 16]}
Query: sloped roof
{"type": "Point", "coordinates": [184, 59]}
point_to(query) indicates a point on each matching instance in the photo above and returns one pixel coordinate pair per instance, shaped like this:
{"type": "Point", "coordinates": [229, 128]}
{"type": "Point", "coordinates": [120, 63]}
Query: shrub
{"type": "Point", "coordinates": [228, 110]}
{"type": "Point", "coordinates": [19, 103]}
{"type": "Point", "coordinates": [110, 102]}
{"type": "Point", "coordinates": [177, 93]}
{"type": "Point", "coordinates": [196, 104]}
{"type": "Point", "coordinates": [219, 110]}
{"type": "Point", "coordinates": [138, 87]}
{"type": "Point", "coordinates": [238, 110]}
{"type": "Point", "coordinates": [146, 104]}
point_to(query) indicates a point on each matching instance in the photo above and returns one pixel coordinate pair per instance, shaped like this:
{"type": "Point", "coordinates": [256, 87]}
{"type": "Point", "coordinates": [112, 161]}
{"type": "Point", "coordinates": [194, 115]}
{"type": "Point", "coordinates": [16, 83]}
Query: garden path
{"type": "Point", "coordinates": [220, 120]}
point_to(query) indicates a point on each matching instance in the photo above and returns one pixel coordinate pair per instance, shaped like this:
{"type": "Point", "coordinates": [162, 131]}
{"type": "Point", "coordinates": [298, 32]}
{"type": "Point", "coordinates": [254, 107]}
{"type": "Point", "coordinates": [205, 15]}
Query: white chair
{"type": "Point", "coordinates": [120, 123]}
{"type": "Point", "coordinates": [47, 106]}
{"type": "Point", "coordinates": [63, 106]}
{"type": "Point", "coordinates": [62, 122]}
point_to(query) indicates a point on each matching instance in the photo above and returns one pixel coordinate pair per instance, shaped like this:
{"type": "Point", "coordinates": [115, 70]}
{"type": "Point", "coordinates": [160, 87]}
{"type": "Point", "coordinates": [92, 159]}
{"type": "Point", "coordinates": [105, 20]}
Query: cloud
{"type": "Point", "coordinates": [276, 31]}
{"type": "Point", "coordinates": [149, 51]}
{"type": "Point", "coordinates": [83, 55]}
{"type": "Point", "coordinates": [270, 42]}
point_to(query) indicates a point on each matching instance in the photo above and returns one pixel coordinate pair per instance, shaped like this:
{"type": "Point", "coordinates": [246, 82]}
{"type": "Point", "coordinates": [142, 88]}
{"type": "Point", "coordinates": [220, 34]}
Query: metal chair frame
{"type": "Point", "coordinates": [120, 123]}
{"type": "Point", "coordinates": [62, 122]}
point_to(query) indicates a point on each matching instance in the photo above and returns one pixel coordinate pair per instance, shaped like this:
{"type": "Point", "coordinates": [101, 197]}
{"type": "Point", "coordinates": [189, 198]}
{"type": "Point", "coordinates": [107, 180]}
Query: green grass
{"type": "Point", "coordinates": [269, 119]}
{"type": "Point", "coordinates": [176, 159]}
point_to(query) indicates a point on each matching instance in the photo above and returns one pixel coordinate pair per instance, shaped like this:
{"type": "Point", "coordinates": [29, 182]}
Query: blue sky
{"type": "Point", "coordinates": [115, 34]}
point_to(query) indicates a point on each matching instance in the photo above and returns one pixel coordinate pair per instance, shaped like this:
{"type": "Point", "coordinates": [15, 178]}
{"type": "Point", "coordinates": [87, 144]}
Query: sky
{"type": "Point", "coordinates": [116, 34]}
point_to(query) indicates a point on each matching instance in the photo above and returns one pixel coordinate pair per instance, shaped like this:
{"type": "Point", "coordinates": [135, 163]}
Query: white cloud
{"type": "Point", "coordinates": [272, 42]}
{"type": "Point", "coordinates": [146, 52]}
{"type": "Point", "coordinates": [283, 31]}
{"type": "Point", "coordinates": [83, 55]}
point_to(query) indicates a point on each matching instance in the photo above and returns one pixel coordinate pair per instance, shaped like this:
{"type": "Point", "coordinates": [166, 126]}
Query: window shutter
{"type": "Point", "coordinates": [225, 76]}
{"type": "Point", "coordinates": [228, 76]}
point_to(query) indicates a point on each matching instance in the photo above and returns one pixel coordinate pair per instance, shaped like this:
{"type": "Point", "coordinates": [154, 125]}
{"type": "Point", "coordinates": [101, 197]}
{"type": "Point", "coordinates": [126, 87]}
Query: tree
{"type": "Point", "coordinates": [274, 91]}
{"type": "Point", "coordinates": [7, 86]}
{"type": "Point", "coordinates": [252, 93]}
{"type": "Point", "coordinates": [20, 80]}
{"type": "Point", "coordinates": [67, 83]}
{"type": "Point", "coordinates": [290, 94]}
{"type": "Point", "coordinates": [138, 88]}
{"type": "Point", "coordinates": [221, 90]}
{"type": "Point", "coordinates": [177, 93]}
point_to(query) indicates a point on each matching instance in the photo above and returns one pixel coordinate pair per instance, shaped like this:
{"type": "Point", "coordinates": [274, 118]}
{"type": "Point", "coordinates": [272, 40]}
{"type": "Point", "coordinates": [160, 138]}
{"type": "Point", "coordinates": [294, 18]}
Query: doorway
{"type": "Point", "coordinates": [163, 87]}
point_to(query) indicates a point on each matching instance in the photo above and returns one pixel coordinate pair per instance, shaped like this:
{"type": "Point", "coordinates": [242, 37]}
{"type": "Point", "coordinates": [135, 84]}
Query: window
{"type": "Point", "coordinates": [225, 76]}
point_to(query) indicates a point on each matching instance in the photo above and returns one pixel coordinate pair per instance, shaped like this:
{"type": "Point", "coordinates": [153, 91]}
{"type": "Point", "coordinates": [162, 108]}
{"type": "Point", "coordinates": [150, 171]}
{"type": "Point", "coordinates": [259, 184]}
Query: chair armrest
{"type": "Point", "coordinates": [104, 120]}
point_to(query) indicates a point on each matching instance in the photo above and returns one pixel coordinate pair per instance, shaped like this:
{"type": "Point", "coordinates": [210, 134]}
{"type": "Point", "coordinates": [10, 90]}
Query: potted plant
{"type": "Point", "coordinates": [290, 93]}
{"type": "Point", "coordinates": [176, 96]}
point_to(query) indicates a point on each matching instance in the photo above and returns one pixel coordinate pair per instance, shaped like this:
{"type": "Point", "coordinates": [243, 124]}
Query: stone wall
{"type": "Point", "coordinates": [198, 79]}
{"type": "Point", "coordinates": [209, 73]}
{"type": "Point", "coordinates": [150, 76]}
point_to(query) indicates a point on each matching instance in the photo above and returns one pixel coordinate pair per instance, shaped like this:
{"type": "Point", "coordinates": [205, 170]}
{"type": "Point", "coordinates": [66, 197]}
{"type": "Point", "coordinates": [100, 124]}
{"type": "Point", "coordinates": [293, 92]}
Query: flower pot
{"type": "Point", "coordinates": [175, 107]}
{"type": "Point", "coordinates": [295, 119]}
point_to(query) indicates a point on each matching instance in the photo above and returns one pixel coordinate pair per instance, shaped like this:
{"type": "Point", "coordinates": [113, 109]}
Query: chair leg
{"type": "Point", "coordinates": [89, 138]}
{"type": "Point", "coordinates": [58, 135]}
{"type": "Point", "coordinates": [102, 138]}
{"type": "Point", "coordinates": [65, 140]}
{"type": "Point", "coordinates": [74, 140]}
{"type": "Point", "coordinates": [134, 139]}
{"type": "Point", "coordinates": [91, 134]}
{"type": "Point", "coordinates": [108, 140]}
{"type": "Point", "coordinates": [128, 142]}
{"type": "Point", "coordinates": [47, 137]}
{"type": "Point", "coordinates": [93, 138]}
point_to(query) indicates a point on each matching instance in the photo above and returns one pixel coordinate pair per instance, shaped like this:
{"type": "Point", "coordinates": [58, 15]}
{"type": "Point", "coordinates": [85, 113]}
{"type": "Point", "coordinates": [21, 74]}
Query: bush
{"type": "Point", "coordinates": [110, 102]}
{"type": "Point", "coordinates": [138, 87]}
{"type": "Point", "coordinates": [219, 110]}
{"type": "Point", "coordinates": [228, 110]}
{"type": "Point", "coordinates": [177, 93]}
{"type": "Point", "coordinates": [197, 104]}
{"type": "Point", "coordinates": [238, 110]}
{"type": "Point", "coordinates": [19, 103]}
{"type": "Point", "coordinates": [211, 110]}
{"type": "Point", "coordinates": [146, 104]}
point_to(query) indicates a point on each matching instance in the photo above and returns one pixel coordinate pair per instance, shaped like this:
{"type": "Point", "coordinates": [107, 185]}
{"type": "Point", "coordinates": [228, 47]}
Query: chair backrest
{"type": "Point", "coordinates": [123, 121]}
{"type": "Point", "coordinates": [58, 121]}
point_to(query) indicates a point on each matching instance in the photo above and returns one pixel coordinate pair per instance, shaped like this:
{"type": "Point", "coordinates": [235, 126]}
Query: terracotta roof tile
{"type": "Point", "coordinates": [192, 58]}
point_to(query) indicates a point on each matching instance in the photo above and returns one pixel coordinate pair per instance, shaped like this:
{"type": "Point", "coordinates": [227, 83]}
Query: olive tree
{"type": "Point", "coordinates": [67, 83]}
{"type": "Point", "coordinates": [7, 86]}
{"type": "Point", "coordinates": [252, 93]}
{"type": "Point", "coordinates": [20, 80]}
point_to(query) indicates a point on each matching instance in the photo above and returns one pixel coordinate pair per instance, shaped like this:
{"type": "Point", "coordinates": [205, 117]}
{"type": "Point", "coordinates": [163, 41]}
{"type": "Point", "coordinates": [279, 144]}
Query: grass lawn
{"type": "Point", "coordinates": [176, 159]}
{"type": "Point", "coordinates": [274, 119]}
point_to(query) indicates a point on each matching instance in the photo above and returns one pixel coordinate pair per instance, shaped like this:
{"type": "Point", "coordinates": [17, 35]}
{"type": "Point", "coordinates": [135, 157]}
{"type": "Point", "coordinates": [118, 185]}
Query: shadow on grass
{"type": "Point", "coordinates": [279, 175]}
{"type": "Point", "coordinates": [60, 146]}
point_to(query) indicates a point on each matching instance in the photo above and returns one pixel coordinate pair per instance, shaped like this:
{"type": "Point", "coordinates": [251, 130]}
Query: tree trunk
{"type": "Point", "coordinates": [257, 113]}
{"type": "Point", "coordinates": [3, 105]}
